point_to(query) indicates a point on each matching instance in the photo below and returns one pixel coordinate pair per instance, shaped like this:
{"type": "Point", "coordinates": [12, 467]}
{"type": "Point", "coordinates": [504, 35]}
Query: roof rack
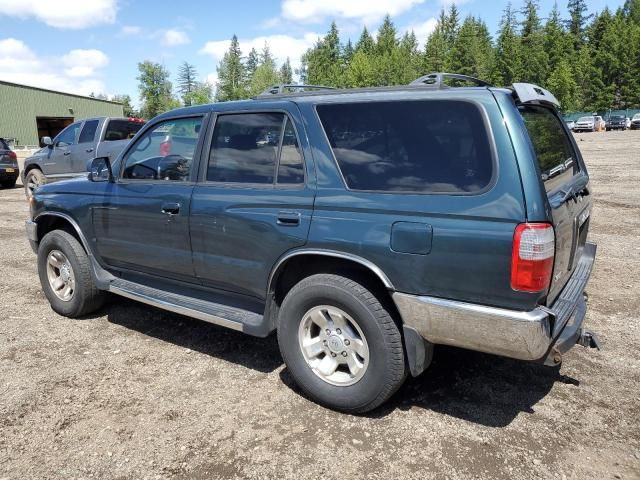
{"type": "Point", "coordinates": [287, 88]}
{"type": "Point", "coordinates": [437, 80]}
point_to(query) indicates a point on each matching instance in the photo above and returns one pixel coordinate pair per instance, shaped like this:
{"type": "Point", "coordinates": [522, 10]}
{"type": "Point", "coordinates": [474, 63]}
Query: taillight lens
{"type": "Point", "coordinates": [532, 257]}
{"type": "Point", "coordinates": [165, 147]}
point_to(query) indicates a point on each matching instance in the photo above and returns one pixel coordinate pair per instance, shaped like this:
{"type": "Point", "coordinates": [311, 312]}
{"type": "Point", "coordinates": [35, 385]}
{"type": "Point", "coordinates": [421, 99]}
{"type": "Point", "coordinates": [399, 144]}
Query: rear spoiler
{"type": "Point", "coordinates": [530, 93]}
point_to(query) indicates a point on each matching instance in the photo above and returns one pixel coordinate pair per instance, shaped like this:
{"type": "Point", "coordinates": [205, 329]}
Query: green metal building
{"type": "Point", "coordinates": [28, 113]}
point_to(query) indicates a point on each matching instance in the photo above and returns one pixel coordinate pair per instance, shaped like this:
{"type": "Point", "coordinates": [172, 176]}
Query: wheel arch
{"type": "Point", "coordinates": [49, 221]}
{"type": "Point", "coordinates": [334, 257]}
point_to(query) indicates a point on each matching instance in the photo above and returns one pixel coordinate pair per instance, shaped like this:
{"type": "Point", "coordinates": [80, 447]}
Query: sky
{"type": "Point", "coordinates": [93, 46]}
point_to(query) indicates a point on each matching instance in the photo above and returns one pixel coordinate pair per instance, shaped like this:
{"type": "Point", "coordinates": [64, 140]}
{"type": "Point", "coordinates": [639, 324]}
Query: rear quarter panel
{"type": "Point", "coordinates": [470, 253]}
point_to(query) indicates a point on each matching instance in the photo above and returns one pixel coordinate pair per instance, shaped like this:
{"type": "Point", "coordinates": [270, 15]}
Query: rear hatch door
{"type": "Point", "coordinates": [565, 180]}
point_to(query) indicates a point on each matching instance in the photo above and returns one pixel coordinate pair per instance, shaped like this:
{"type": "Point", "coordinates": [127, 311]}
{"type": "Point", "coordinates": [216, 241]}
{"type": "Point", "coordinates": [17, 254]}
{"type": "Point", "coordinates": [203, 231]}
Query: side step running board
{"type": "Point", "coordinates": [218, 314]}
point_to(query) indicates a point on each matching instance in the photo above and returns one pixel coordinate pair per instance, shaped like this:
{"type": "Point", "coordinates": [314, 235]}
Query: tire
{"type": "Point", "coordinates": [9, 183]}
{"type": "Point", "coordinates": [33, 179]}
{"type": "Point", "coordinates": [330, 295]}
{"type": "Point", "coordinates": [70, 257]}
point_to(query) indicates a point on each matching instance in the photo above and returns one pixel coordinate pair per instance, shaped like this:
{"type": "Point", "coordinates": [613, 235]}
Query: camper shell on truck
{"type": "Point", "coordinates": [363, 226]}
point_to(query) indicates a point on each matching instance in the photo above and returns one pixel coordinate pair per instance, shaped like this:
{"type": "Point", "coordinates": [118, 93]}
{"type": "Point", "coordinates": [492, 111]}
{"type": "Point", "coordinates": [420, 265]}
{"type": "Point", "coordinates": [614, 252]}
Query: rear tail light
{"type": "Point", "coordinates": [532, 257]}
{"type": "Point", "coordinates": [165, 147]}
{"type": "Point", "coordinates": [13, 157]}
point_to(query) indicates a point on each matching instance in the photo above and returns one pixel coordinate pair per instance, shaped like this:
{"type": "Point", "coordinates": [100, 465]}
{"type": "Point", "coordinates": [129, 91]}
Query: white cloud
{"type": "Point", "coordinates": [174, 38]}
{"type": "Point", "coordinates": [368, 12]}
{"type": "Point", "coordinates": [127, 30]}
{"type": "Point", "coordinates": [423, 30]}
{"type": "Point", "coordinates": [76, 71]}
{"type": "Point", "coordinates": [63, 14]}
{"type": "Point", "coordinates": [281, 46]}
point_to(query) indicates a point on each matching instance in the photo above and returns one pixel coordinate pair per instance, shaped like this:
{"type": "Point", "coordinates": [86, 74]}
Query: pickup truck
{"type": "Point", "coordinates": [67, 155]}
{"type": "Point", "coordinates": [364, 226]}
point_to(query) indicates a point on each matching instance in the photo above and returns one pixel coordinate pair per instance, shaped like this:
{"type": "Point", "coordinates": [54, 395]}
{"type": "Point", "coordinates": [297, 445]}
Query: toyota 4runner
{"type": "Point", "coordinates": [364, 226]}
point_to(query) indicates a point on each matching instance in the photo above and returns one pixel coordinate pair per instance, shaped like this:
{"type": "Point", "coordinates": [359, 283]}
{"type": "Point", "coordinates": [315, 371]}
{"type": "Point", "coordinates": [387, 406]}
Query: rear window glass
{"type": "Point", "coordinates": [430, 146]}
{"type": "Point", "coordinates": [552, 146]}
{"type": "Point", "coordinates": [121, 130]}
{"type": "Point", "coordinates": [3, 144]}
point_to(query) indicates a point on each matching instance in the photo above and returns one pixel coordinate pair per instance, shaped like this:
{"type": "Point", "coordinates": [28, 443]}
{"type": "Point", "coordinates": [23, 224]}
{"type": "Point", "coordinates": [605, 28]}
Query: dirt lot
{"type": "Point", "coordinates": [138, 393]}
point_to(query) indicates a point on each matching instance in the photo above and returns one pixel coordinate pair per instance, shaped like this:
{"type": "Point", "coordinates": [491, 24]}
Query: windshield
{"type": "Point", "coordinates": [585, 119]}
{"type": "Point", "coordinates": [616, 117]}
{"type": "Point", "coordinates": [636, 116]}
{"type": "Point", "coordinates": [553, 148]}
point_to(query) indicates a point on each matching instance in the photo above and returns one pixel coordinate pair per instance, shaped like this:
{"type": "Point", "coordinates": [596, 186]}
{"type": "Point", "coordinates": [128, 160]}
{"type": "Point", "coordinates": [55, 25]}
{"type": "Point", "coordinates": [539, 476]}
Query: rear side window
{"type": "Point", "coordinates": [121, 130]}
{"type": "Point", "coordinates": [420, 146]}
{"type": "Point", "coordinates": [253, 148]}
{"type": "Point", "coordinates": [553, 148]}
{"type": "Point", "coordinates": [88, 132]}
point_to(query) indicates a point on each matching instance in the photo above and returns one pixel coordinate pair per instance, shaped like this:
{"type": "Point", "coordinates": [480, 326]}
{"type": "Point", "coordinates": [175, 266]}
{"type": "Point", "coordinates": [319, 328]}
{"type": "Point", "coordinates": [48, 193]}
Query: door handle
{"type": "Point", "coordinates": [67, 153]}
{"type": "Point", "coordinates": [171, 208]}
{"type": "Point", "coordinates": [89, 150]}
{"type": "Point", "coordinates": [289, 219]}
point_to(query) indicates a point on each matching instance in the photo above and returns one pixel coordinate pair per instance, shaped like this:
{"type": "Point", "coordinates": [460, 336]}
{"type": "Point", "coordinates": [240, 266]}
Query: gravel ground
{"type": "Point", "coordinates": [134, 392]}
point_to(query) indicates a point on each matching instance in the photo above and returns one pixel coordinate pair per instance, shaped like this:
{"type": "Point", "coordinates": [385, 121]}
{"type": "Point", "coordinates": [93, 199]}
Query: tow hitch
{"type": "Point", "coordinates": [588, 340]}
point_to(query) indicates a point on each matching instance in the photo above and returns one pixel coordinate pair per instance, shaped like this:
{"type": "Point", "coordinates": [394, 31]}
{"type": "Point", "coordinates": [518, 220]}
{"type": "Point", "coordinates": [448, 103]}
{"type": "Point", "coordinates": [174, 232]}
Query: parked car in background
{"type": "Point", "coordinates": [591, 123]}
{"type": "Point", "coordinates": [67, 155]}
{"type": "Point", "coordinates": [635, 122]}
{"type": "Point", "coordinates": [9, 171]}
{"type": "Point", "coordinates": [616, 122]}
{"type": "Point", "coordinates": [570, 124]}
{"type": "Point", "coordinates": [370, 226]}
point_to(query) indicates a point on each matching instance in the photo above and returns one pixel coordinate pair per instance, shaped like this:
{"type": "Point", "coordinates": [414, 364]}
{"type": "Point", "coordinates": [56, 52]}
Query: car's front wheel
{"type": "Point", "coordinates": [340, 343]}
{"type": "Point", "coordinates": [32, 180]}
{"type": "Point", "coordinates": [65, 275]}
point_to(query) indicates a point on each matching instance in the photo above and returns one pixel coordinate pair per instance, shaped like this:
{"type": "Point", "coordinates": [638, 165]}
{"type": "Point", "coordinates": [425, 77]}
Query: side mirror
{"type": "Point", "coordinates": [47, 141]}
{"type": "Point", "coordinates": [100, 170]}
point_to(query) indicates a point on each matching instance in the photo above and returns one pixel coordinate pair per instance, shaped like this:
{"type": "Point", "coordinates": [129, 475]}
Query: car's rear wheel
{"type": "Point", "coordinates": [32, 180]}
{"type": "Point", "coordinates": [340, 344]}
{"type": "Point", "coordinates": [65, 275]}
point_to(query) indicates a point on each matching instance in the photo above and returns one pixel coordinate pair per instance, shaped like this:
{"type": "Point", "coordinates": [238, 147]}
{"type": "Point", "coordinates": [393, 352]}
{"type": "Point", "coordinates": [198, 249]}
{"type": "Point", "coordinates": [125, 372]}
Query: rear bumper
{"type": "Point", "coordinates": [534, 335]}
{"type": "Point", "coordinates": [4, 175]}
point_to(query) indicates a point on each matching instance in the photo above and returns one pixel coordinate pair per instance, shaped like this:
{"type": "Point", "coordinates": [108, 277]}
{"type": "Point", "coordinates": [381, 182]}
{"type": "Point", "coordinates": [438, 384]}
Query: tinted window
{"type": "Point", "coordinates": [244, 148]}
{"type": "Point", "coordinates": [88, 131]}
{"type": "Point", "coordinates": [290, 167]}
{"type": "Point", "coordinates": [69, 135]}
{"type": "Point", "coordinates": [165, 152]}
{"type": "Point", "coordinates": [3, 144]}
{"type": "Point", "coordinates": [121, 130]}
{"type": "Point", "coordinates": [552, 146]}
{"type": "Point", "coordinates": [410, 146]}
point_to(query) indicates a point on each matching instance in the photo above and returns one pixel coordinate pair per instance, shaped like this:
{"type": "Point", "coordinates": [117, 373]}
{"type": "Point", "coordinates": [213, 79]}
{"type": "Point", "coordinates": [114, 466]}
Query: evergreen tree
{"type": "Point", "coordinates": [361, 71]}
{"type": "Point", "coordinates": [436, 51]}
{"type": "Point", "coordinates": [557, 43]}
{"type": "Point", "coordinates": [127, 108]}
{"type": "Point", "coordinates": [155, 89]}
{"type": "Point", "coordinates": [578, 20]}
{"type": "Point", "coordinates": [266, 74]}
{"type": "Point", "coordinates": [632, 11]}
{"type": "Point", "coordinates": [365, 42]}
{"type": "Point", "coordinates": [472, 52]}
{"type": "Point", "coordinates": [231, 74]}
{"type": "Point", "coordinates": [508, 60]}
{"type": "Point", "coordinates": [534, 57]}
{"type": "Point", "coordinates": [201, 94]}
{"type": "Point", "coordinates": [347, 54]}
{"type": "Point", "coordinates": [252, 63]}
{"type": "Point", "coordinates": [187, 75]}
{"type": "Point", "coordinates": [322, 63]}
{"type": "Point", "coordinates": [286, 73]}
{"type": "Point", "coordinates": [387, 58]}
{"type": "Point", "coordinates": [562, 84]}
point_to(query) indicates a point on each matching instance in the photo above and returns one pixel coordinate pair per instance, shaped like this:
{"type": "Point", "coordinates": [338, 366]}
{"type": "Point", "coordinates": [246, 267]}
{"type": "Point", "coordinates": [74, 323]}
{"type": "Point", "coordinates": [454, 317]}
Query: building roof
{"type": "Point", "coordinates": [19, 85]}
